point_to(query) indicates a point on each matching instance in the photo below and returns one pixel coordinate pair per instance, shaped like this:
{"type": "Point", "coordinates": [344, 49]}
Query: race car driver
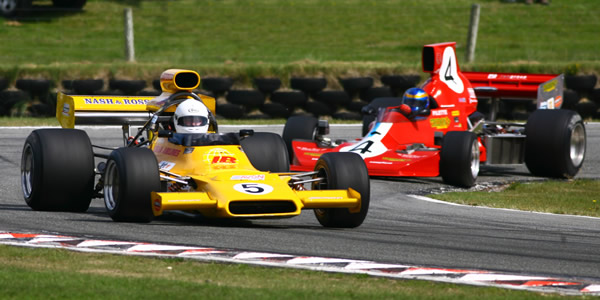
{"type": "Point", "coordinates": [191, 116]}
{"type": "Point", "coordinates": [415, 102]}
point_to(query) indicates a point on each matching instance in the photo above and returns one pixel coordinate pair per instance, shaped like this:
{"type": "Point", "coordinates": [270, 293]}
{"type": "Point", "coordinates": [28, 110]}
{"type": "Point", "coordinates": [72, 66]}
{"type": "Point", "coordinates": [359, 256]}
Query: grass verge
{"type": "Point", "coordinates": [573, 197]}
{"type": "Point", "coordinates": [62, 274]}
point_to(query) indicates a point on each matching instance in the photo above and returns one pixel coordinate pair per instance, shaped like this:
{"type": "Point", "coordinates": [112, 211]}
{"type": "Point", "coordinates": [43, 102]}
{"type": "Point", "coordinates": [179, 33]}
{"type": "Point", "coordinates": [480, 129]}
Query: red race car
{"type": "Point", "coordinates": [436, 130]}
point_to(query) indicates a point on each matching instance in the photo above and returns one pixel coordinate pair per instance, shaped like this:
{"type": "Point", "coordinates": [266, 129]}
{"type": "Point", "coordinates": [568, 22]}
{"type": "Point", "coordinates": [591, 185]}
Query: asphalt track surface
{"type": "Point", "coordinates": [399, 228]}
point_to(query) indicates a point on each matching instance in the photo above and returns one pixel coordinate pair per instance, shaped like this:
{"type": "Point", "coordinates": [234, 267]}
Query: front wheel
{"type": "Point", "coordinates": [131, 175]}
{"type": "Point", "coordinates": [459, 158]}
{"type": "Point", "coordinates": [57, 170]}
{"type": "Point", "coordinates": [342, 170]}
{"type": "Point", "coordinates": [555, 143]}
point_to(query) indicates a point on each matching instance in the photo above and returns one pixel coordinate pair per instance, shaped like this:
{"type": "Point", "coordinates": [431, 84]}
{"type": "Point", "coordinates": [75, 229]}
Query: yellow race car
{"type": "Point", "coordinates": [220, 175]}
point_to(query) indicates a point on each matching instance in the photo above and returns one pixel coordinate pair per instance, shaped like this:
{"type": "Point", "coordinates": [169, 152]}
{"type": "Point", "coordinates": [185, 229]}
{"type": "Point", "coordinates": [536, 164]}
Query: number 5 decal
{"type": "Point", "coordinates": [253, 188]}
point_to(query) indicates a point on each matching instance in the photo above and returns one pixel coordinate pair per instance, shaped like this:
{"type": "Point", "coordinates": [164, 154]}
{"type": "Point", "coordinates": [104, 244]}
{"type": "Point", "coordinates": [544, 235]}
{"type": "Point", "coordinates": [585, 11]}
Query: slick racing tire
{"type": "Point", "coordinates": [131, 175]}
{"type": "Point", "coordinates": [69, 3]}
{"type": "Point", "coordinates": [267, 152]}
{"type": "Point", "coordinates": [342, 170]}
{"type": "Point", "coordinates": [555, 143]}
{"type": "Point", "coordinates": [14, 8]}
{"type": "Point", "coordinates": [298, 128]}
{"type": "Point", "coordinates": [57, 170]}
{"type": "Point", "coordinates": [459, 158]}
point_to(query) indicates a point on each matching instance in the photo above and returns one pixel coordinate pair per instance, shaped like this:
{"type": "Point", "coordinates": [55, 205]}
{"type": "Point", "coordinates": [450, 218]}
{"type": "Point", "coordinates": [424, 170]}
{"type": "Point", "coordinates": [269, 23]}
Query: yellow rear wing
{"type": "Point", "coordinates": [128, 110]}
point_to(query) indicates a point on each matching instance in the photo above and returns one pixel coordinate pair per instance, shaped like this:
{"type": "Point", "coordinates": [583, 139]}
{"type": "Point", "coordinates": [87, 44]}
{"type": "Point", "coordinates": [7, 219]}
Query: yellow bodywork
{"type": "Point", "coordinates": [229, 186]}
{"type": "Point", "coordinates": [226, 183]}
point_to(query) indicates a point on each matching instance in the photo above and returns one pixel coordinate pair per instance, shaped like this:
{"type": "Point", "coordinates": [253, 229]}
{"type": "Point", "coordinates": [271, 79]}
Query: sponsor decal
{"type": "Point", "coordinates": [188, 150]}
{"type": "Point", "coordinates": [558, 101]}
{"type": "Point", "coordinates": [218, 156]}
{"type": "Point", "coordinates": [456, 113]}
{"type": "Point", "coordinates": [550, 86]}
{"type": "Point", "coordinates": [462, 100]}
{"type": "Point", "coordinates": [380, 162]}
{"type": "Point", "coordinates": [521, 77]}
{"type": "Point", "coordinates": [310, 149]}
{"type": "Point", "coordinates": [167, 150]}
{"type": "Point", "coordinates": [115, 101]}
{"type": "Point", "coordinates": [439, 123]}
{"type": "Point", "coordinates": [166, 165]}
{"type": "Point", "coordinates": [438, 113]}
{"type": "Point", "coordinates": [492, 76]}
{"type": "Point", "coordinates": [312, 154]}
{"type": "Point", "coordinates": [252, 188]}
{"type": "Point", "coordinates": [472, 96]}
{"type": "Point", "coordinates": [456, 120]}
{"type": "Point", "coordinates": [395, 159]}
{"type": "Point", "coordinates": [66, 109]}
{"type": "Point", "coordinates": [157, 205]}
{"type": "Point", "coordinates": [447, 105]}
{"type": "Point", "coordinates": [248, 177]}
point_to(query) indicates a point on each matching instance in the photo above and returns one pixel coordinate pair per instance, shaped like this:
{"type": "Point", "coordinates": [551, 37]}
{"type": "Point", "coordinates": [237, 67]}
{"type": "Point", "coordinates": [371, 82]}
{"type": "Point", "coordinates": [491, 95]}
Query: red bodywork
{"type": "Point", "coordinates": [391, 148]}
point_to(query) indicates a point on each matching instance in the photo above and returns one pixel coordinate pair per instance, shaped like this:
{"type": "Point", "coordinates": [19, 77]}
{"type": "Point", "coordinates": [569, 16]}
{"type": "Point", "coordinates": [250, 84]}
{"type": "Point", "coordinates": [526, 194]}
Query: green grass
{"type": "Point", "coordinates": [61, 274]}
{"type": "Point", "coordinates": [574, 197]}
{"type": "Point", "coordinates": [281, 38]}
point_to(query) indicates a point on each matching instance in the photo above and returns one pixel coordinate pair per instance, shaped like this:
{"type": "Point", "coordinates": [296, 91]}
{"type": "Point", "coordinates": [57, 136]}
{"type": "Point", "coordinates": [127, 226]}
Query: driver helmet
{"type": "Point", "coordinates": [191, 116]}
{"type": "Point", "coordinates": [417, 99]}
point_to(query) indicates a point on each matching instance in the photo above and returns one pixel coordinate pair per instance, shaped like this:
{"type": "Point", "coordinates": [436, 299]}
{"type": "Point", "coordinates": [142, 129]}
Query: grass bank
{"type": "Point", "coordinates": [283, 38]}
{"type": "Point", "coordinates": [61, 274]}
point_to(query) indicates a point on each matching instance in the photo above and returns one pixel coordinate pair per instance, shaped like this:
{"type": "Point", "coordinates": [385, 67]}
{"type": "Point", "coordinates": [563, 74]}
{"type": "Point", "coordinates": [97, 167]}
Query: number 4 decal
{"type": "Point", "coordinates": [450, 71]}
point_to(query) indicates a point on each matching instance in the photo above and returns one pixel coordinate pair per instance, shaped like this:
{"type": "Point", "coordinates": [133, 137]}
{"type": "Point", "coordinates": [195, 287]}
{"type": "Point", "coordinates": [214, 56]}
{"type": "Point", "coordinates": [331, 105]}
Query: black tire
{"type": "Point", "coordinates": [9, 98]}
{"type": "Point", "coordinates": [342, 170]}
{"type": "Point", "coordinates": [355, 84]}
{"type": "Point", "coordinates": [10, 9]}
{"type": "Point", "coordinates": [289, 98]}
{"type": "Point", "coordinates": [318, 108]}
{"type": "Point", "coordinates": [87, 86]}
{"type": "Point", "coordinates": [267, 152]}
{"type": "Point", "coordinates": [555, 143]}
{"type": "Point", "coordinates": [298, 128]}
{"type": "Point", "coordinates": [373, 93]}
{"type": "Point", "coordinates": [586, 109]}
{"type": "Point", "coordinates": [57, 170]}
{"type": "Point", "coordinates": [128, 87]}
{"type": "Point", "coordinates": [69, 3]}
{"type": "Point", "coordinates": [156, 85]}
{"type": "Point", "coordinates": [308, 85]}
{"type": "Point", "coordinates": [230, 110]}
{"type": "Point", "coordinates": [584, 83]}
{"type": "Point", "coordinates": [217, 85]}
{"type": "Point", "coordinates": [267, 85]}
{"type": "Point", "coordinates": [594, 95]}
{"type": "Point", "coordinates": [347, 115]}
{"type": "Point", "coordinates": [3, 83]}
{"type": "Point", "coordinates": [333, 98]}
{"type": "Point", "coordinates": [131, 175]}
{"type": "Point", "coordinates": [248, 98]}
{"type": "Point", "coordinates": [276, 110]}
{"type": "Point", "coordinates": [356, 105]}
{"type": "Point", "coordinates": [401, 82]}
{"type": "Point", "coordinates": [370, 111]}
{"type": "Point", "coordinates": [459, 158]}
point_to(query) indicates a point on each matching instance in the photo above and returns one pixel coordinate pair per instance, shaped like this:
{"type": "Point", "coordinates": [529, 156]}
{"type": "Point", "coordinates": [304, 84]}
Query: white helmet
{"type": "Point", "coordinates": [191, 116]}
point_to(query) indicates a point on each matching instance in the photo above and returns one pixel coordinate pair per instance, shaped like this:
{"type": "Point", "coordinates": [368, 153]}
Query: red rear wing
{"type": "Point", "coordinates": [546, 88]}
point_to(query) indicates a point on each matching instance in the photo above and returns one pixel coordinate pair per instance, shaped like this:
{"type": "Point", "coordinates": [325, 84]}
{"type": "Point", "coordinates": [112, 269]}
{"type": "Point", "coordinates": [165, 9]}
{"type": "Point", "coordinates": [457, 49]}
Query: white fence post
{"type": "Point", "coordinates": [129, 48]}
{"type": "Point", "coordinates": [473, 27]}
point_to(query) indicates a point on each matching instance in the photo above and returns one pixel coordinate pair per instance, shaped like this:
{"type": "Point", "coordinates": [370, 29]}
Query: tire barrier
{"type": "Point", "coordinates": [270, 98]}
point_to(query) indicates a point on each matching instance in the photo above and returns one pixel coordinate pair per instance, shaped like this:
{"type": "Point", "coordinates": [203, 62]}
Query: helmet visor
{"type": "Point", "coordinates": [192, 121]}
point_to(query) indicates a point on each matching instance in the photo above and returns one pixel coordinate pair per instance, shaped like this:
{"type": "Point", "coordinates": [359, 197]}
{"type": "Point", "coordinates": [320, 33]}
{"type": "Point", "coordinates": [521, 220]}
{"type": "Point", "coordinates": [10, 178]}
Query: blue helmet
{"type": "Point", "coordinates": [417, 99]}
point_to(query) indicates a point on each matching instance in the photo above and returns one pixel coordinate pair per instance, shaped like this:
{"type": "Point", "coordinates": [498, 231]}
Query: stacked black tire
{"type": "Point", "coordinates": [582, 95]}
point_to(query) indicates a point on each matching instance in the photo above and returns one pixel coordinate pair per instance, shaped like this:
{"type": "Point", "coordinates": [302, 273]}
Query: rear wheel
{"type": "Point", "coordinates": [130, 177]}
{"type": "Point", "coordinates": [555, 143]}
{"type": "Point", "coordinates": [299, 128]}
{"type": "Point", "coordinates": [459, 158]}
{"type": "Point", "coordinates": [57, 170]}
{"type": "Point", "coordinates": [342, 170]}
{"type": "Point", "coordinates": [267, 152]}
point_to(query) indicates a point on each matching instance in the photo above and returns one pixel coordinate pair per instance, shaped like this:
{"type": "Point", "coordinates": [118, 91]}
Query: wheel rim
{"type": "Point", "coordinates": [111, 186]}
{"type": "Point", "coordinates": [475, 159]}
{"type": "Point", "coordinates": [577, 148]}
{"type": "Point", "coordinates": [320, 185]}
{"type": "Point", "coordinates": [8, 5]}
{"type": "Point", "coordinates": [27, 171]}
